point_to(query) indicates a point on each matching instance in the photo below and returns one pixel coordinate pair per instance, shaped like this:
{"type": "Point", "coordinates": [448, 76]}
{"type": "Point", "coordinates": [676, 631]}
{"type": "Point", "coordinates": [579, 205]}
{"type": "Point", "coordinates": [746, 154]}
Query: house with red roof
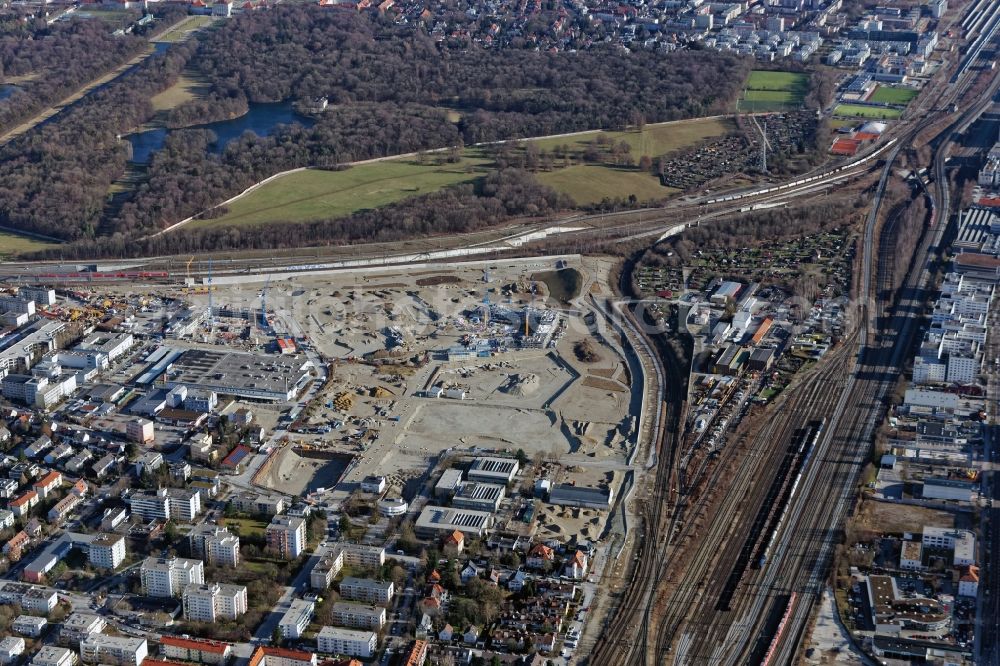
{"type": "Point", "coordinates": [48, 484]}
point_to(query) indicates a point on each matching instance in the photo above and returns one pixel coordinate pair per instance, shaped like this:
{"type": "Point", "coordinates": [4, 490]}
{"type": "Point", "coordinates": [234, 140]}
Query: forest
{"type": "Point", "coordinates": [52, 62]}
{"type": "Point", "coordinates": [390, 90]}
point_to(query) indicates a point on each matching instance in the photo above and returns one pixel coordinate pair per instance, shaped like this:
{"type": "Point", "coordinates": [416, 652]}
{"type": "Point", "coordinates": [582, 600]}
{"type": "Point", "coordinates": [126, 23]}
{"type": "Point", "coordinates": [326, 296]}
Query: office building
{"type": "Point", "coordinates": [436, 520]}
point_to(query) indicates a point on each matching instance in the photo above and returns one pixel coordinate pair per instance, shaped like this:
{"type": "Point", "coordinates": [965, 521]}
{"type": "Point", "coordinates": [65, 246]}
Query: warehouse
{"type": "Point", "coordinates": [493, 470]}
{"type": "Point", "coordinates": [434, 520]}
{"type": "Point", "coordinates": [479, 496]}
{"type": "Point", "coordinates": [593, 498]}
{"type": "Point", "coordinates": [948, 489]}
{"type": "Point", "coordinates": [254, 376]}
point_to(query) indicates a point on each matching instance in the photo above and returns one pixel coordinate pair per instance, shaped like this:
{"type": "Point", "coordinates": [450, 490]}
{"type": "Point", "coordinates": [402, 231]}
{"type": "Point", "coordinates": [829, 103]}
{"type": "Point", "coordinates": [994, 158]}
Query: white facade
{"type": "Point", "coordinates": [29, 625]}
{"type": "Point", "coordinates": [296, 618]}
{"type": "Point", "coordinates": [367, 590]}
{"type": "Point", "coordinates": [167, 577]}
{"type": "Point", "coordinates": [11, 648]}
{"type": "Point", "coordinates": [50, 655]}
{"type": "Point", "coordinates": [358, 616]}
{"type": "Point", "coordinates": [114, 650]}
{"type": "Point", "coordinates": [350, 642]}
{"type": "Point", "coordinates": [215, 601]}
{"type": "Point", "coordinates": [107, 551]}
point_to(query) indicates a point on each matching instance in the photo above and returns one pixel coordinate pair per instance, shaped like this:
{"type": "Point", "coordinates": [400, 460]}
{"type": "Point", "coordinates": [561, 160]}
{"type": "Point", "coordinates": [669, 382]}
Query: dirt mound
{"type": "Point", "coordinates": [522, 385]}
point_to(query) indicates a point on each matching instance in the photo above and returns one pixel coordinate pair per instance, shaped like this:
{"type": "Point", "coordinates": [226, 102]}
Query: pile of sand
{"type": "Point", "coordinates": [522, 385]}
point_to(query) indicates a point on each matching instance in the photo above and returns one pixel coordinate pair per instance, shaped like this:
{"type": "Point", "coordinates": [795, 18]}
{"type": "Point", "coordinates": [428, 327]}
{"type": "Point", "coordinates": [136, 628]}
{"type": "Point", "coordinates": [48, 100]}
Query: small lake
{"type": "Point", "coordinates": [261, 119]}
{"type": "Point", "coordinates": [6, 90]}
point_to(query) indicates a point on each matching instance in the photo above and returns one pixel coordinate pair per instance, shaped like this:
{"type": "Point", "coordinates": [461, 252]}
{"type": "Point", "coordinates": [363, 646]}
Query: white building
{"type": "Point", "coordinates": [165, 504]}
{"type": "Point", "coordinates": [107, 551]}
{"type": "Point", "coordinates": [11, 648]}
{"type": "Point", "coordinates": [367, 590]}
{"type": "Point", "coordinates": [358, 616]}
{"type": "Point", "coordinates": [114, 650]}
{"type": "Point", "coordinates": [29, 625]}
{"type": "Point", "coordinates": [216, 545]}
{"type": "Point", "coordinates": [167, 577]}
{"type": "Point", "coordinates": [962, 543]}
{"type": "Point", "coordinates": [350, 642]}
{"type": "Point", "coordinates": [286, 535]}
{"type": "Point", "coordinates": [214, 601]}
{"type": "Point", "coordinates": [911, 556]}
{"type": "Point", "coordinates": [51, 655]}
{"type": "Point", "coordinates": [296, 618]}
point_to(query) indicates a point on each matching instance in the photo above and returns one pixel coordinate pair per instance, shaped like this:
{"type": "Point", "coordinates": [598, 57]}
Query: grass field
{"type": "Point", "coordinates": [774, 91]}
{"type": "Point", "coordinates": [591, 183]}
{"type": "Point", "coordinates": [248, 527]}
{"type": "Point", "coordinates": [653, 140]}
{"type": "Point", "coordinates": [858, 111]}
{"type": "Point", "coordinates": [184, 90]}
{"type": "Point", "coordinates": [12, 245]}
{"type": "Point", "coordinates": [889, 95]}
{"type": "Point", "coordinates": [315, 195]}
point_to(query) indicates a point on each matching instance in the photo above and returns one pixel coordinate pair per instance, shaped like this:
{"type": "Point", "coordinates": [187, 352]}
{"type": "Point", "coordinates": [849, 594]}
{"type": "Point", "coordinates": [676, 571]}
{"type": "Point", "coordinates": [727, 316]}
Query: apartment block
{"type": "Point", "coordinates": [107, 551]}
{"type": "Point", "coordinates": [214, 601]}
{"type": "Point", "coordinates": [215, 545]}
{"type": "Point", "coordinates": [358, 616]}
{"type": "Point", "coordinates": [350, 642]}
{"type": "Point", "coordinates": [286, 535]}
{"type": "Point", "coordinates": [195, 649]}
{"type": "Point", "coordinates": [165, 504]}
{"type": "Point", "coordinates": [167, 577]}
{"type": "Point", "coordinates": [296, 618]}
{"type": "Point", "coordinates": [113, 650]}
{"type": "Point", "coordinates": [367, 590]}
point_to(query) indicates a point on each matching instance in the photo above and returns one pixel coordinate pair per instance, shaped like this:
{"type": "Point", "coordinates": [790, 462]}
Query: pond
{"type": "Point", "coordinates": [6, 90]}
{"type": "Point", "coordinates": [261, 119]}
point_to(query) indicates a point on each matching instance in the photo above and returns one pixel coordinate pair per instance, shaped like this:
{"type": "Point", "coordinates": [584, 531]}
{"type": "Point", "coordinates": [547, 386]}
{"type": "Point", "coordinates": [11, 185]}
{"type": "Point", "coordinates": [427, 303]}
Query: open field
{"type": "Point", "coordinates": [590, 183]}
{"type": "Point", "coordinates": [184, 90]}
{"type": "Point", "coordinates": [247, 527]}
{"type": "Point", "coordinates": [652, 140]}
{"type": "Point", "coordinates": [774, 91]}
{"type": "Point", "coordinates": [859, 111]}
{"type": "Point", "coordinates": [315, 195]}
{"type": "Point", "coordinates": [12, 244]}
{"type": "Point", "coordinates": [891, 95]}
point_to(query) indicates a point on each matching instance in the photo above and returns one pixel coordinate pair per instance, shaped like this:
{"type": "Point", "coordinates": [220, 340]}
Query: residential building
{"type": "Point", "coordinates": [11, 648]}
{"type": "Point", "coordinates": [48, 484]}
{"type": "Point", "coordinates": [63, 508]}
{"type": "Point", "coordinates": [24, 503]}
{"type": "Point", "coordinates": [29, 625]}
{"type": "Point", "coordinates": [286, 535]}
{"type": "Point", "coordinates": [968, 583]}
{"type": "Point", "coordinates": [358, 616]}
{"type": "Point", "coordinates": [350, 642]}
{"type": "Point", "coordinates": [50, 655]}
{"type": "Point", "coordinates": [107, 551]}
{"type": "Point", "coordinates": [165, 504]}
{"type": "Point", "coordinates": [195, 649]}
{"type": "Point", "coordinates": [39, 600]}
{"type": "Point", "coordinates": [79, 625]}
{"type": "Point", "coordinates": [6, 519]}
{"type": "Point", "coordinates": [258, 504]}
{"type": "Point", "coordinates": [275, 656]}
{"type": "Point", "coordinates": [214, 601]}
{"type": "Point", "coordinates": [367, 590]}
{"type": "Point", "coordinates": [296, 618]}
{"type": "Point", "coordinates": [114, 650]}
{"type": "Point", "coordinates": [215, 545]}
{"type": "Point", "coordinates": [167, 577]}
{"type": "Point", "coordinates": [325, 571]}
